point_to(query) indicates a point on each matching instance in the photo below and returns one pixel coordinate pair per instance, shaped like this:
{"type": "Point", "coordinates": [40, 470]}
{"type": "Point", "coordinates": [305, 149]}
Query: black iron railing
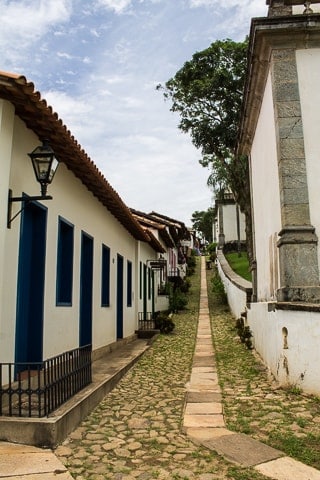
{"type": "Point", "coordinates": [174, 272]}
{"type": "Point", "coordinates": [146, 321]}
{"type": "Point", "coordinates": [37, 389]}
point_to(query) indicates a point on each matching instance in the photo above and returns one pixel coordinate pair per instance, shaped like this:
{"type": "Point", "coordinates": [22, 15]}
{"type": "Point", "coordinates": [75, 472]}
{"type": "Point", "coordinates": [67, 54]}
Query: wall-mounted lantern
{"type": "Point", "coordinates": [158, 264]}
{"type": "Point", "coordinates": [45, 165]}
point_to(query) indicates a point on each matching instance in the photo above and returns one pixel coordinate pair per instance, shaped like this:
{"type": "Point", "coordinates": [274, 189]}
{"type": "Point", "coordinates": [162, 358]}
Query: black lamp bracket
{"type": "Point", "coordinates": [24, 200]}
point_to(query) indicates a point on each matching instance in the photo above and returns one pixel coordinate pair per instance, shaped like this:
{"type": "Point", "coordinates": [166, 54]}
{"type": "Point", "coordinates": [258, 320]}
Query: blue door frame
{"type": "Point", "coordinates": [144, 293]}
{"type": "Point", "coordinates": [30, 284]}
{"type": "Point", "coordinates": [86, 285]}
{"type": "Point", "coordinates": [152, 292]}
{"type": "Point", "coordinates": [119, 296]}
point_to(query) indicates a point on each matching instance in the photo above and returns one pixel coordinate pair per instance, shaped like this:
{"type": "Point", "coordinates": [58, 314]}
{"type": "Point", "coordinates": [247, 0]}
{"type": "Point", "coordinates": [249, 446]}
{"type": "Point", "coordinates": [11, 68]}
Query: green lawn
{"type": "Point", "coordinates": [239, 264]}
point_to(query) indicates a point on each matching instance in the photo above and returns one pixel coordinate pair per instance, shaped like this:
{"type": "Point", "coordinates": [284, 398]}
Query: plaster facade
{"type": "Point", "coordinates": [32, 246]}
{"type": "Point", "coordinates": [229, 224]}
{"type": "Point", "coordinates": [266, 198]}
{"type": "Point", "coordinates": [279, 135]}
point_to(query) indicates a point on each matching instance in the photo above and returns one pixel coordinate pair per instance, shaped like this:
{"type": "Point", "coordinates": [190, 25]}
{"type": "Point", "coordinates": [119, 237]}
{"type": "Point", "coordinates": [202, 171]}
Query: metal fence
{"type": "Point", "coordinates": [174, 272]}
{"type": "Point", "coordinates": [146, 321]}
{"type": "Point", "coordinates": [37, 389]}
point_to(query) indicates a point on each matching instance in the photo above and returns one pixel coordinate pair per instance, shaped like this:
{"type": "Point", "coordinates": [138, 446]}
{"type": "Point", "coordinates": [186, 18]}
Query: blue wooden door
{"type": "Point", "coordinates": [119, 296]}
{"type": "Point", "coordinates": [86, 285]}
{"type": "Point", "coordinates": [30, 285]}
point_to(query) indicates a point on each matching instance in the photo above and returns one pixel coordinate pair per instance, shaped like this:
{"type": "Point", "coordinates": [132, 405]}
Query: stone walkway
{"type": "Point", "coordinates": [203, 418]}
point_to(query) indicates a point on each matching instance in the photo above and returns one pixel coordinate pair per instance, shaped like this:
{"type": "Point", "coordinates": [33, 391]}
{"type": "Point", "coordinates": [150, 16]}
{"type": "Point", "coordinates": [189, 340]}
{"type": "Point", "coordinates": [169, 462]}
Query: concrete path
{"type": "Point", "coordinates": [203, 418]}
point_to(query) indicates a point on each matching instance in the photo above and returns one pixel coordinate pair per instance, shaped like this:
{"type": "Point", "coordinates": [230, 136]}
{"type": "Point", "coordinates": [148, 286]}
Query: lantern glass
{"type": "Point", "coordinates": [44, 164]}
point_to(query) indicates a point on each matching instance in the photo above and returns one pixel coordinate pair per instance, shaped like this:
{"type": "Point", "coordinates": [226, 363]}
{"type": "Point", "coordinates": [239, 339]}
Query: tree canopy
{"type": "Point", "coordinates": [202, 222]}
{"type": "Point", "coordinates": [207, 93]}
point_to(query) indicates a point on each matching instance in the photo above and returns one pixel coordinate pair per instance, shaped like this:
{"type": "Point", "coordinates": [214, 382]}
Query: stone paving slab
{"type": "Point", "coordinates": [204, 344]}
{"type": "Point", "coordinates": [41, 476]}
{"type": "Point", "coordinates": [205, 385]}
{"type": "Point", "coordinates": [19, 461]}
{"type": "Point", "coordinates": [203, 421]}
{"type": "Point", "coordinates": [206, 351]}
{"type": "Point", "coordinates": [209, 369]}
{"type": "Point", "coordinates": [199, 377]}
{"type": "Point", "coordinates": [203, 408]}
{"type": "Point", "coordinates": [287, 468]}
{"type": "Point", "coordinates": [203, 360]}
{"type": "Point", "coordinates": [203, 434]}
{"type": "Point", "coordinates": [197, 397]}
{"type": "Point", "coordinates": [244, 450]}
{"type": "Point", "coordinates": [203, 340]}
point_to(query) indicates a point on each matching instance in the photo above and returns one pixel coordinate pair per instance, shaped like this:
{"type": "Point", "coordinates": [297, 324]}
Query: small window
{"type": "Point", "coordinates": [105, 277]}
{"type": "Point", "coordinates": [64, 263]}
{"type": "Point", "coordinates": [129, 284]}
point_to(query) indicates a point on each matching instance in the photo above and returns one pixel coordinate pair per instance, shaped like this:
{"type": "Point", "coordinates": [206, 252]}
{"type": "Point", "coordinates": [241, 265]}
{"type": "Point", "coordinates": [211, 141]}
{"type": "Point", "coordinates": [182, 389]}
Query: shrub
{"type": "Point", "coordinates": [191, 264]}
{"type": "Point", "coordinates": [185, 285]}
{"type": "Point", "coordinates": [164, 323]}
{"type": "Point", "coordinates": [244, 333]}
{"type": "Point", "coordinates": [218, 287]}
{"type": "Point", "coordinates": [177, 300]}
{"type": "Point", "coordinates": [211, 248]}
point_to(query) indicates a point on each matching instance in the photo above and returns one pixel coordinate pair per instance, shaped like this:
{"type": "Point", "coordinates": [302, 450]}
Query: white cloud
{"type": "Point", "coordinates": [223, 4]}
{"type": "Point", "coordinates": [73, 111]}
{"type": "Point", "coordinates": [118, 6]}
{"type": "Point", "coordinates": [94, 33]}
{"type": "Point", "coordinates": [98, 64]}
{"type": "Point", "coordinates": [64, 55]}
{"type": "Point", "coordinates": [246, 8]}
{"type": "Point", "coordinates": [30, 19]}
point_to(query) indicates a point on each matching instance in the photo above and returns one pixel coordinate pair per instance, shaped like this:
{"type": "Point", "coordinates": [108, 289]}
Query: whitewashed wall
{"type": "Point", "coordinates": [230, 223]}
{"type": "Point", "coordinates": [73, 202]}
{"type": "Point", "coordinates": [298, 364]}
{"type": "Point", "coordinates": [266, 199]}
{"type": "Point", "coordinates": [92, 218]}
{"type": "Point", "coordinates": [235, 286]}
{"type": "Point", "coordinates": [7, 259]}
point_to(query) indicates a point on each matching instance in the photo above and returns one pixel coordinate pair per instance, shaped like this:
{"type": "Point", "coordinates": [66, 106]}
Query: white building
{"type": "Point", "coordinates": [229, 222]}
{"type": "Point", "coordinates": [280, 121]}
{"type": "Point", "coordinates": [72, 269]}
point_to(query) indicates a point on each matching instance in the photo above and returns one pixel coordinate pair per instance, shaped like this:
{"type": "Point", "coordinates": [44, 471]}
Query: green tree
{"type": "Point", "coordinates": [207, 93]}
{"type": "Point", "coordinates": [202, 222]}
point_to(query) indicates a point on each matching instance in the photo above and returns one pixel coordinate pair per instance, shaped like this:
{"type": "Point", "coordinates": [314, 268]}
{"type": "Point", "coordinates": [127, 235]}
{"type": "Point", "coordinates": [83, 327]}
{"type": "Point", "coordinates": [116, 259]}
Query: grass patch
{"type": "Point", "coordinates": [239, 264]}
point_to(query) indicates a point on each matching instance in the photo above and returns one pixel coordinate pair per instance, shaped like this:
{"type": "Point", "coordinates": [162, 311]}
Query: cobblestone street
{"type": "Point", "coordinates": [135, 433]}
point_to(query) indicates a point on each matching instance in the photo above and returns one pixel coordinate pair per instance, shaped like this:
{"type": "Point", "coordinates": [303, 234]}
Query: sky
{"type": "Point", "coordinates": [98, 62]}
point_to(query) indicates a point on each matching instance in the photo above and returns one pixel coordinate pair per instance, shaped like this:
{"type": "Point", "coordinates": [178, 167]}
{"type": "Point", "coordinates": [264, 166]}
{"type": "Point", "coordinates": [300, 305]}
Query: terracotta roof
{"type": "Point", "coordinates": [40, 118]}
{"type": "Point", "coordinates": [178, 230]}
{"type": "Point", "coordinates": [147, 220]}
